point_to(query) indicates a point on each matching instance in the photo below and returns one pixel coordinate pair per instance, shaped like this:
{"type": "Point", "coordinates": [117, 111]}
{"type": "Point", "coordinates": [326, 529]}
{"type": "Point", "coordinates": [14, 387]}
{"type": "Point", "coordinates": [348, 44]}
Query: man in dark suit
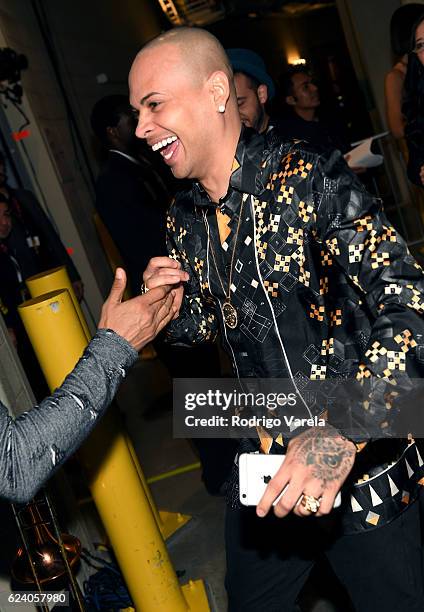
{"type": "Point", "coordinates": [131, 197]}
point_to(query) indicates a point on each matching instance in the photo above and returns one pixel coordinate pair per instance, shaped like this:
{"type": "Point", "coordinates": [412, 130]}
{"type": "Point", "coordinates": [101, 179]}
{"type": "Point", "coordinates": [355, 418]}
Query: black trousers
{"type": "Point", "coordinates": [269, 560]}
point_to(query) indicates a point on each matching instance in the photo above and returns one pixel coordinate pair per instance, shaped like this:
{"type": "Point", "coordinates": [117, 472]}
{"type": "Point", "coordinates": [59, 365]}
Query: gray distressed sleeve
{"type": "Point", "coordinates": [34, 444]}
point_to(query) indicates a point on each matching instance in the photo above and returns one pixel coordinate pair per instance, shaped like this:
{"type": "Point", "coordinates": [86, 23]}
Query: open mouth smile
{"type": "Point", "coordinates": [167, 147]}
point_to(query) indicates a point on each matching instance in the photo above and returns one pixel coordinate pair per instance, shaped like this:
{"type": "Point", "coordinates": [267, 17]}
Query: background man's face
{"type": "Point", "coordinates": [5, 220]}
{"type": "Point", "coordinates": [125, 129]}
{"type": "Point", "coordinates": [250, 107]}
{"type": "Point", "coordinates": [176, 113]}
{"type": "Point", "coordinates": [305, 92]}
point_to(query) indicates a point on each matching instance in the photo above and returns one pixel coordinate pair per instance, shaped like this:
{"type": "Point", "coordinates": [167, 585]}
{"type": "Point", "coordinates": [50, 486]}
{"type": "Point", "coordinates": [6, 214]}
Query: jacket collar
{"type": "Point", "coordinates": [244, 176]}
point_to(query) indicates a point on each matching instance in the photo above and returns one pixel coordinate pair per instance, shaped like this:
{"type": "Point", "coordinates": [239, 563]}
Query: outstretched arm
{"type": "Point", "coordinates": [36, 443]}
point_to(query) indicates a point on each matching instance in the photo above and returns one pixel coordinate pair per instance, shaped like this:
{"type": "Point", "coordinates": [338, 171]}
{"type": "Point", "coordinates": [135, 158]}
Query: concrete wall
{"type": "Point", "coordinates": [15, 391]}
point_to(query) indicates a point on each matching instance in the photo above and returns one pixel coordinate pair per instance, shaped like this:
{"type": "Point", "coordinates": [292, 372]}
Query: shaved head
{"type": "Point", "coordinates": [200, 52]}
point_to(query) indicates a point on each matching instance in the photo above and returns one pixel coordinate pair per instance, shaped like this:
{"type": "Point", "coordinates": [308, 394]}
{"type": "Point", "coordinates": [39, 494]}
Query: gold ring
{"type": "Point", "coordinates": [311, 503]}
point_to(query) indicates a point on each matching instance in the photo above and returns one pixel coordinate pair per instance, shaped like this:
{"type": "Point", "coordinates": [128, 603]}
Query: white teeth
{"type": "Point", "coordinates": [163, 143]}
{"type": "Point", "coordinates": [168, 155]}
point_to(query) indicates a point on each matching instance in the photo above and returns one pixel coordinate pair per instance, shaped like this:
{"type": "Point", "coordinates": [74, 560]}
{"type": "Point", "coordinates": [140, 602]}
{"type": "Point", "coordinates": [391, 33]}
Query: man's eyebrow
{"type": "Point", "coordinates": [143, 100]}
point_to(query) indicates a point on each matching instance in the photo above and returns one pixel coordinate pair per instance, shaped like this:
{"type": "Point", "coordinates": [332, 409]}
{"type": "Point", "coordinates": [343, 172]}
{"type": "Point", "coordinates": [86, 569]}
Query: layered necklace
{"type": "Point", "coordinates": [229, 311]}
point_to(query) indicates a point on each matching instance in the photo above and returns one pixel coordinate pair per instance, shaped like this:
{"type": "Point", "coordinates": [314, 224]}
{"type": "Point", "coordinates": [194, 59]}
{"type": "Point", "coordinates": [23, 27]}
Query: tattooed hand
{"type": "Point", "coordinates": [317, 463]}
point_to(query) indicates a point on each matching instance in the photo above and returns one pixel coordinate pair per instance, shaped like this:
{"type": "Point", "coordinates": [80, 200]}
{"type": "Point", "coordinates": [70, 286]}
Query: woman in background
{"type": "Point", "coordinates": [413, 105]}
{"type": "Point", "coordinates": [401, 25]}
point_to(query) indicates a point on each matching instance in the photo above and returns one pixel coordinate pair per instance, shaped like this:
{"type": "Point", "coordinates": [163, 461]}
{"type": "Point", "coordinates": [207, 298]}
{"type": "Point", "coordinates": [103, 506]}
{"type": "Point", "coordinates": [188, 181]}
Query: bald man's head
{"type": "Point", "coordinates": [200, 51]}
{"type": "Point", "coordinates": [181, 85]}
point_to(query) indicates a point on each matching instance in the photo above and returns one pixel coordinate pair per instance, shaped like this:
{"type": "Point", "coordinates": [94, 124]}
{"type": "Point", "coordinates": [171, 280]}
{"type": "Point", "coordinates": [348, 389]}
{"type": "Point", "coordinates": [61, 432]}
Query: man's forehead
{"type": "Point", "coordinates": [301, 77]}
{"type": "Point", "coordinates": [161, 73]}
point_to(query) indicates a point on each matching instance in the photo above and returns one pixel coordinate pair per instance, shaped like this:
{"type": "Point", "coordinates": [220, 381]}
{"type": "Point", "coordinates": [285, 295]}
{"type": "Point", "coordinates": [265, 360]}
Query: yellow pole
{"type": "Point", "coordinates": [168, 522]}
{"type": "Point", "coordinates": [51, 280]}
{"type": "Point", "coordinates": [55, 333]}
{"type": "Point", "coordinates": [58, 340]}
{"type": "Point", "coordinates": [143, 480]}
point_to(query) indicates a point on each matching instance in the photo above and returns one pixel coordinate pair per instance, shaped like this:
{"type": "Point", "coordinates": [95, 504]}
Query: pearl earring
{"type": "Point", "coordinates": [221, 108]}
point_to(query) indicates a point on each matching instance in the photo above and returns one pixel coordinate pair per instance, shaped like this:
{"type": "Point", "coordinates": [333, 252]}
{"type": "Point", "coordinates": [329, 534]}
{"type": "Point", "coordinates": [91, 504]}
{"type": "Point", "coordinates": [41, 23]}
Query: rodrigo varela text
{"type": "Point", "coordinates": [255, 421]}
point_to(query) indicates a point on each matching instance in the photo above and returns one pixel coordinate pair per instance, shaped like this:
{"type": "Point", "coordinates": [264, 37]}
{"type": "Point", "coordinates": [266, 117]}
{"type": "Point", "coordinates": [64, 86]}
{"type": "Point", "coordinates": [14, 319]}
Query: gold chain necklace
{"type": "Point", "coordinates": [229, 312]}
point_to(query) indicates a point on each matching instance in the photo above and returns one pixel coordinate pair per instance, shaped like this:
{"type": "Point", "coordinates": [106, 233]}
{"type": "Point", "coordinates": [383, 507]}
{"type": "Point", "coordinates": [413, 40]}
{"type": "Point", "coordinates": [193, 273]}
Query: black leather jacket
{"type": "Point", "coordinates": [324, 286]}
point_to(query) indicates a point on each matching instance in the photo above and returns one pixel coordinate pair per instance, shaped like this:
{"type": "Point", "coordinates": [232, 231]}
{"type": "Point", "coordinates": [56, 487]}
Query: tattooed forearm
{"type": "Point", "coordinates": [329, 454]}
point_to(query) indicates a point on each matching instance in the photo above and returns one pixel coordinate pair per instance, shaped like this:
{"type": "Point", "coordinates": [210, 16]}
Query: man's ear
{"type": "Point", "coordinates": [291, 100]}
{"type": "Point", "coordinates": [220, 89]}
{"type": "Point", "coordinates": [111, 133]}
{"type": "Point", "coordinates": [262, 92]}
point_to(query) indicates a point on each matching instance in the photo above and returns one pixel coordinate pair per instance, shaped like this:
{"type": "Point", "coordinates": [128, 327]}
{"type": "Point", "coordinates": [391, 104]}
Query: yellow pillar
{"type": "Point", "coordinates": [57, 278]}
{"type": "Point", "coordinates": [55, 333]}
{"type": "Point", "coordinates": [59, 340]}
{"type": "Point", "coordinates": [51, 280]}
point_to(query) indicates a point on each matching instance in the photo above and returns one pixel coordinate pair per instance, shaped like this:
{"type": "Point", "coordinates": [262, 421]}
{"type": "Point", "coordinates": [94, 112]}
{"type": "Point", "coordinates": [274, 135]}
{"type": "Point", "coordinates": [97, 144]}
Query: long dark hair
{"type": "Point", "coordinates": [413, 102]}
{"type": "Point", "coordinates": [403, 19]}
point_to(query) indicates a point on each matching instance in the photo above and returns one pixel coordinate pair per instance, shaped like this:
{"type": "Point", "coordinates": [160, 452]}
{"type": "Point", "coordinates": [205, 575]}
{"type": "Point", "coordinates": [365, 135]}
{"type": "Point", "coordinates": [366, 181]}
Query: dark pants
{"type": "Point", "coordinates": [269, 560]}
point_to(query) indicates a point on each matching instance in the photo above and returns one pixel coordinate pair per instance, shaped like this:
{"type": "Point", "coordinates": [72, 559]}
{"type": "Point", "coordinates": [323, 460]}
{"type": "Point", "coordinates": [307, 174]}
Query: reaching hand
{"type": "Point", "coordinates": [317, 463]}
{"type": "Point", "coordinates": [140, 319]}
{"type": "Point", "coordinates": [162, 271]}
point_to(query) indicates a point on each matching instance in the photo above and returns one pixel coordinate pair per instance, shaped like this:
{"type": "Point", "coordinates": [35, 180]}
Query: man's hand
{"type": "Point", "coordinates": [422, 175]}
{"type": "Point", "coordinates": [162, 271]}
{"type": "Point", "coordinates": [355, 169]}
{"type": "Point", "coordinates": [317, 463]}
{"type": "Point", "coordinates": [140, 319]}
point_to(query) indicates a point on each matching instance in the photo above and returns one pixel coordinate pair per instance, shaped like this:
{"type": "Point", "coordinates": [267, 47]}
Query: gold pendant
{"type": "Point", "coordinates": [230, 315]}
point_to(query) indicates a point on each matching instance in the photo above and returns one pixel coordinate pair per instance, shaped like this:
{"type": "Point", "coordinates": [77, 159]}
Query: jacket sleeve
{"type": "Point", "coordinates": [358, 237]}
{"type": "Point", "coordinates": [36, 443]}
{"type": "Point", "coordinates": [197, 322]}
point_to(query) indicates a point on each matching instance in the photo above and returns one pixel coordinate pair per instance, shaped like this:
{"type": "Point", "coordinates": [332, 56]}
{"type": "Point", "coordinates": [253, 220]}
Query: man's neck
{"type": "Point", "coordinates": [217, 180]}
{"type": "Point", "coordinates": [308, 114]}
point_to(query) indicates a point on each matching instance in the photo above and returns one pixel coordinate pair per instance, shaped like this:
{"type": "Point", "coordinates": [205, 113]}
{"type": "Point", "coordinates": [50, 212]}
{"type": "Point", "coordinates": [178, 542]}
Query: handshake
{"type": "Point", "coordinates": [140, 319]}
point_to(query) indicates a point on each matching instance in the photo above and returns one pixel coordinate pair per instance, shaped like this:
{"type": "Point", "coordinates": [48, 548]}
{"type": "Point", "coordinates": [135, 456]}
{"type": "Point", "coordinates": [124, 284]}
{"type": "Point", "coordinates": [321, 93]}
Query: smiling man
{"type": "Point", "coordinates": [280, 247]}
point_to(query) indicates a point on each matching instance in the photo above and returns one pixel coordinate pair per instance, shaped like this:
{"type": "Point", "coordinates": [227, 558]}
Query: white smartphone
{"type": "Point", "coordinates": [255, 472]}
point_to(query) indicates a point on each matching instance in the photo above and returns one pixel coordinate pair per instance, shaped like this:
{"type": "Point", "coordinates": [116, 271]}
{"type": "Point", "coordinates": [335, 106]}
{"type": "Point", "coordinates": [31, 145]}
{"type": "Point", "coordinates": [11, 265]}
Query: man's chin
{"type": "Point", "coordinates": [179, 173]}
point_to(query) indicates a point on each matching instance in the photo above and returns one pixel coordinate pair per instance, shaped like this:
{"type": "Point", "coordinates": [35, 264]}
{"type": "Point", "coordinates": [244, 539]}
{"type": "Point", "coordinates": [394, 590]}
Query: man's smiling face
{"type": "Point", "coordinates": [175, 109]}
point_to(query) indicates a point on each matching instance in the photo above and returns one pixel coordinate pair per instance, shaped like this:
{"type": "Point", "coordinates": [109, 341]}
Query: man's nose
{"type": "Point", "coordinates": [143, 125]}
